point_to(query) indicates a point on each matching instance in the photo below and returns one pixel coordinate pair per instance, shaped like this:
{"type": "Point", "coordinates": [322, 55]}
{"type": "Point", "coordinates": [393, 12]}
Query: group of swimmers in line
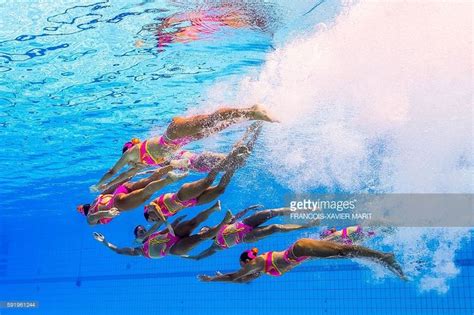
{"type": "Point", "coordinates": [166, 161]}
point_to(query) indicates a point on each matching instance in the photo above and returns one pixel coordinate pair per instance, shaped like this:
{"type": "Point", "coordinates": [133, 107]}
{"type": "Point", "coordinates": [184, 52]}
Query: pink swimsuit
{"type": "Point", "coordinates": [271, 268]}
{"type": "Point", "coordinates": [193, 159]}
{"type": "Point", "coordinates": [122, 189]}
{"type": "Point", "coordinates": [172, 145]}
{"type": "Point", "coordinates": [346, 238]}
{"type": "Point", "coordinates": [239, 229]}
{"type": "Point", "coordinates": [169, 204]}
{"type": "Point", "coordinates": [166, 239]}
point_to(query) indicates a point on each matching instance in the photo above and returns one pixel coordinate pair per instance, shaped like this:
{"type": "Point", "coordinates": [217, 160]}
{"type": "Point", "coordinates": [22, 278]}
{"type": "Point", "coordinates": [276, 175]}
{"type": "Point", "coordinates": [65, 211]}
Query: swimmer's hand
{"type": "Point", "coordinates": [99, 237]}
{"type": "Point", "coordinates": [173, 176]}
{"type": "Point", "coordinates": [112, 213]}
{"type": "Point", "coordinates": [93, 188]}
{"type": "Point", "coordinates": [205, 278]}
{"type": "Point", "coordinates": [185, 256]}
{"type": "Point", "coordinates": [189, 257]}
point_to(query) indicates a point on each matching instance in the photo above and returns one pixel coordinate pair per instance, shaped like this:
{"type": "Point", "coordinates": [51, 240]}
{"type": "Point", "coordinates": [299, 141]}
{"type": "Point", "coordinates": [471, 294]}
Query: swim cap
{"type": "Point", "coordinates": [83, 209]}
{"type": "Point", "coordinates": [252, 253]}
{"type": "Point", "coordinates": [130, 144]}
{"type": "Point", "coordinates": [145, 213]}
{"type": "Point", "coordinates": [138, 228]}
{"type": "Point", "coordinates": [249, 255]}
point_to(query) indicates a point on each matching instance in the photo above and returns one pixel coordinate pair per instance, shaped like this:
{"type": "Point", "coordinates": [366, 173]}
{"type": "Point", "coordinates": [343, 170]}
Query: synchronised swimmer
{"type": "Point", "coordinates": [169, 164]}
{"type": "Point", "coordinates": [278, 263]}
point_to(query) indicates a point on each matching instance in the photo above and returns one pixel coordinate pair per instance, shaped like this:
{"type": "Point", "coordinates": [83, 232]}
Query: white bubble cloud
{"type": "Point", "coordinates": [381, 100]}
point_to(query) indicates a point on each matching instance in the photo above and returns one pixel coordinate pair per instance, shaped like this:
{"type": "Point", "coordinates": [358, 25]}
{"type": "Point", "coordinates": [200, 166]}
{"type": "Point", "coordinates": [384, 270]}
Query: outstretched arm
{"type": "Point", "coordinates": [153, 229]}
{"type": "Point", "coordinates": [205, 253]}
{"type": "Point", "coordinates": [253, 267]}
{"type": "Point", "coordinates": [121, 163]}
{"type": "Point", "coordinates": [130, 251]}
{"type": "Point", "coordinates": [124, 177]}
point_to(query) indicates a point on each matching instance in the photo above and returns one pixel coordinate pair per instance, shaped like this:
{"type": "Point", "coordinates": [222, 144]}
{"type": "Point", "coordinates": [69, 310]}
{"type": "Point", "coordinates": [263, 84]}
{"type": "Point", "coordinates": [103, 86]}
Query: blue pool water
{"type": "Point", "coordinates": [78, 79]}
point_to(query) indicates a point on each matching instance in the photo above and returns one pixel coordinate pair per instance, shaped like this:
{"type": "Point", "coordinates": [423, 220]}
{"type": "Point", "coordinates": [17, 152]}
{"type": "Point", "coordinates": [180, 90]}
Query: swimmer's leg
{"type": "Point", "coordinates": [185, 228]}
{"type": "Point", "coordinates": [137, 197]}
{"type": "Point", "coordinates": [157, 175]}
{"type": "Point", "coordinates": [192, 126]}
{"type": "Point", "coordinates": [214, 192]}
{"type": "Point", "coordinates": [261, 217]}
{"type": "Point", "coordinates": [327, 249]}
{"type": "Point", "coordinates": [186, 244]}
{"type": "Point", "coordinates": [206, 161]}
{"type": "Point", "coordinates": [211, 250]}
{"type": "Point", "coordinates": [264, 231]}
{"type": "Point", "coordinates": [250, 136]}
{"type": "Point", "coordinates": [197, 188]}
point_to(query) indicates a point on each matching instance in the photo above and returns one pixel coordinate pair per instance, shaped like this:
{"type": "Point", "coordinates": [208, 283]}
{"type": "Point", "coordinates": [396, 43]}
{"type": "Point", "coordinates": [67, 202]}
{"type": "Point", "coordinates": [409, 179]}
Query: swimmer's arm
{"type": "Point", "coordinates": [129, 251]}
{"type": "Point", "coordinates": [122, 178]}
{"type": "Point", "coordinates": [137, 251]}
{"type": "Point", "coordinates": [121, 163]}
{"type": "Point", "coordinates": [153, 229]}
{"type": "Point", "coordinates": [205, 253]}
{"type": "Point", "coordinates": [162, 171]}
{"type": "Point", "coordinates": [239, 276]}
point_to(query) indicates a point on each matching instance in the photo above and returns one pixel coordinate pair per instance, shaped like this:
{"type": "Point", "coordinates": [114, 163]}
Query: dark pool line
{"type": "Point", "coordinates": [192, 274]}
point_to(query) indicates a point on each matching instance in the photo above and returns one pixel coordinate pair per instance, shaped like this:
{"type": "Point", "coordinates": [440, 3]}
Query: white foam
{"type": "Point", "coordinates": [381, 100]}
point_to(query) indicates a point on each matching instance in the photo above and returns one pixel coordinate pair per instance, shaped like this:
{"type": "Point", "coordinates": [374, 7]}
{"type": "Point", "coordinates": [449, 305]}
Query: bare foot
{"type": "Point", "coordinates": [391, 263]}
{"type": "Point", "coordinates": [259, 113]}
{"type": "Point", "coordinates": [228, 217]}
{"type": "Point", "coordinates": [180, 164]}
{"type": "Point", "coordinates": [241, 151]}
{"type": "Point", "coordinates": [239, 156]}
{"type": "Point", "coordinates": [216, 206]}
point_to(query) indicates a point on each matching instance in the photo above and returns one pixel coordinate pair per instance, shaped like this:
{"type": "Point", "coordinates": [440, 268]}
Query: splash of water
{"type": "Point", "coordinates": [379, 101]}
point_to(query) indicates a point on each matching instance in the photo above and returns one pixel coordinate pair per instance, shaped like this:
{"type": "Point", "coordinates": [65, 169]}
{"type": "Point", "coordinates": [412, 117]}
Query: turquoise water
{"type": "Point", "coordinates": [80, 79]}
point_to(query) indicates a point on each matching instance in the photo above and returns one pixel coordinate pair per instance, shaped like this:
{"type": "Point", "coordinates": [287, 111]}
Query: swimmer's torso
{"type": "Point", "coordinates": [168, 204]}
{"type": "Point", "coordinates": [153, 152]}
{"type": "Point", "coordinates": [275, 265]}
{"type": "Point", "coordinates": [278, 263]}
{"type": "Point", "coordinates": [102, 203]}
{"type": "Point", "coordinates": [158, 244]}
{"type": "Point", "coordinates": [157, 150]}
{"type": "Point", "coordinates": [232, 234]}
